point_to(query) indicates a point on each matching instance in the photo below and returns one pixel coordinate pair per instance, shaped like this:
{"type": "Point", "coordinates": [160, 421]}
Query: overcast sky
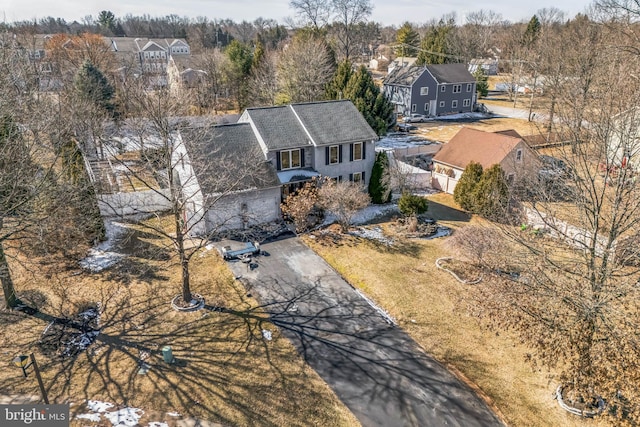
{"type": "Point", "coordinates": [388, 12]}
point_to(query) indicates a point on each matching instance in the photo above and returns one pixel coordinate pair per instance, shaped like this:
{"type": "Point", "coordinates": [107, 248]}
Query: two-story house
{"type": "Point", "coordinates": [268, 154]}
{"type": "Point", "coordinates": [318, 138]}
{"type": "Point", "coordinates": [150, 55]}
{"type": "Point", "coordinates": [431, 90]}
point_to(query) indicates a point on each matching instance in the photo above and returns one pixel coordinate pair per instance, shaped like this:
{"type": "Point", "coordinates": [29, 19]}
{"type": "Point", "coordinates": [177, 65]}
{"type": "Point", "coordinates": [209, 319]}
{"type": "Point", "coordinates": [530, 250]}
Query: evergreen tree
{"type": "Point", "coordinates": [258, 54]}
{"type": "Point", "coordinates": [366, 96]}
{"type": "Point", "coordinates": [464, 193]}
{"type": "Point", "coordinates": [532, 32]}
{"type": "Point", "coordinates": [408, 39]}
{"type": "Point", "coordinates": [482, 85]}
{"type": "Point", "coordinates": [492, 194]}
{"type": "Point", "coordinates": [379, 183]}
{"type": "Point", "coordinates": [92, 86]}
{"type": "Point", "coordinates": [241, 59]}
{"type": "Point", "coordinates": [106, 19]}
{"type": "Point", "coordinates": [335, 88]}
{"type": "Point", "coordinates": [434, 44]}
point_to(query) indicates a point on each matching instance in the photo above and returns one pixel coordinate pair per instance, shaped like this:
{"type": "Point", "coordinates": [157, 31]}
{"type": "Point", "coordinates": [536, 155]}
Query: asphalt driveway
{"type": "Point", "coordinates": [374, 367]}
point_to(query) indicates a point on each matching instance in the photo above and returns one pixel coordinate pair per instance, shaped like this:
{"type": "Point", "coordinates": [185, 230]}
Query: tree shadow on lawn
{"type": "Point", "coordinates": [225, 369]}
{"type": "Point", "coordinates": [229, 372]}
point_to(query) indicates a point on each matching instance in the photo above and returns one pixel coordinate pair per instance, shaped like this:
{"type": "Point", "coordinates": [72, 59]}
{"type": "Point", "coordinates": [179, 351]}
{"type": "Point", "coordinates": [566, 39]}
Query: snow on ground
{"type": "Point", "coordinates": [127, 416]}
{"type": "Point", "coordinates": [374, 233]}
{"type": "Point", "coordinates": [101, 256]}
{"type": "Point", "coordinates": [372, 212]}
{"type": "Point", "coordinates": [401, 140]}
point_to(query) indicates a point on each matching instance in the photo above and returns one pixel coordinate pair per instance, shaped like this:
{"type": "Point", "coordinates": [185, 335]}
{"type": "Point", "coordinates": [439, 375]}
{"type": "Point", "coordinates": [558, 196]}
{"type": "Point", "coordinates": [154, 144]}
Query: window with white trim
{"type": "Point", "coordinates": [441, 104]}
{"type": "Point", "coordinates": [469, 87]}
{"type": "Point", "coordinates": [413, 108]}
{"type": "Point", "coordinates": [334, 155]}
{"type": "Point", "coordinates": [454, 103]}
{"type": "Point", "coordinates": [466, 103]}
{"type": "Point", "coordinates": [443, 88]}
{"type": "Point", "coordinates": [519, 155]}
{"type": "Point", "coordinates": [426, 108]}
{"type": "Point", "coordinates": [290, 159]}
{"type": "Point", "coordinates": [357, 177]}
{"type": "Point", "coordinates": [424, 91]}
{"type": "Point", "coordinates": [457, 88]}
{"type": "Point", "coordinates": [357, 151]}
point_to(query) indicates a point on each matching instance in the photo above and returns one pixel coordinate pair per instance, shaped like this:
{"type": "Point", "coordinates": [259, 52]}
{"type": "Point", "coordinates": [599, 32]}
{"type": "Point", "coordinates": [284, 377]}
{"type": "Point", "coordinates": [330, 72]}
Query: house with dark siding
{"type": "Point", "coordinates": [431, 90]}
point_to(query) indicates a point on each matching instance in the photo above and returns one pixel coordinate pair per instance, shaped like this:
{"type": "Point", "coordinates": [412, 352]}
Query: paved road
{"type": "Point", "coordinates": [373, 366]}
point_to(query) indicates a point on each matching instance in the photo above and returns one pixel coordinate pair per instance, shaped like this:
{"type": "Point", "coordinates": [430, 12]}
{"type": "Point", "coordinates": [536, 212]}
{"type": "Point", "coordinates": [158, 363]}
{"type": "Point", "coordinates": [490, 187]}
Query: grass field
{"type": "Point", "coordinates": [432, 307]}
{"type": "Point", "coordinates": [225, 370]}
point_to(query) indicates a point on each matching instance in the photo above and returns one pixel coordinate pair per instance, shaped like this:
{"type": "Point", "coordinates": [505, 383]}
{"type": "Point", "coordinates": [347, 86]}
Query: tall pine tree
{"type": "Point", "coordinates": [335, 88]}
{"type": "Point", "coordinates": [366, 96]}
{"type": "Point", "coordinates": [92, 86]}
{"type": "Point", "coordinates": [434, 44]}
{"type": "Point", "coordinates": [408, 40]}
{"type": "Point", "coordinates": [379, 183]}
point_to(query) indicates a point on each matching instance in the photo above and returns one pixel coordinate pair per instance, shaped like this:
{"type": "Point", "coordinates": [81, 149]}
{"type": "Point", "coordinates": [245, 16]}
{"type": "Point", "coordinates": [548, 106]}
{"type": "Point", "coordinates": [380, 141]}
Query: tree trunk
{"type": "Point", "coordinates": [10, 298]}
{"type": "Point", "coordinates": [184, 260]}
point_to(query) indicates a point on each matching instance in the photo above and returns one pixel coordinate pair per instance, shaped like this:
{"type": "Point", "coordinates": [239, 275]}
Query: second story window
{"type": "Point", "coordinates": [334, 154]}
{"type": "Point", "coordinates": [519, 155]}
{"type": "Point", "coordinates": [290, 159]}
{"type": "Point", "coordinates": [424, 90]}
{"type": "Point", "coordinates": [443, 88]}
{"type": "Point", "coordinates": [457, 88]}
{"type": "Point", "coordinates": [469, 87]}
{"type": "Point", "coordinates": [357, 152]}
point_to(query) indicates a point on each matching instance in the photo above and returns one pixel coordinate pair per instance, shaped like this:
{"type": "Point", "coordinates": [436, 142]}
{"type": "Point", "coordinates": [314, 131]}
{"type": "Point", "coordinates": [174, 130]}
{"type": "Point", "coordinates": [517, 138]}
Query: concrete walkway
{"type": "Point", "coordinates": [374, 367]}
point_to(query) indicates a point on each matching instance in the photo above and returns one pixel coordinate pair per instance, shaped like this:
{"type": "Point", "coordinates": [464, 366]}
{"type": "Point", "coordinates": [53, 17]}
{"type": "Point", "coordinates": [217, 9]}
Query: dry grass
{"type": "Point", "coordinates": [430, 305]}
{"type": "Point", "coordinates": [226, 371]}
{"type": "Point", "coordinates": [443, 131]}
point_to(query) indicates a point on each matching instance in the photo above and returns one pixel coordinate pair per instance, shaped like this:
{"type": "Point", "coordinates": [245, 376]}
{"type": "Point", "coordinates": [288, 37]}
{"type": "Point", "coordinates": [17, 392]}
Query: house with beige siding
{"type": "Point", "coordinates": [504, 148]}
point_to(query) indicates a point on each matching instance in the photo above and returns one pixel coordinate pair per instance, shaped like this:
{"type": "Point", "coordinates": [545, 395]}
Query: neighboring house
{"type": "Point", "coordinates": [401, 62]}
{"type": "Point", "coordinates": [150, 55]}
{"type": "Point", "coordinates": [432, 90]}
{"type": "Point", "coordinates": [225, 179]}
{"type": "Point", "coordinates": [489, 66]}
{"type": "Point", "coordinates": [182, 73]}
{"type": "Point", "coordinates": [623, 144]}
{"type": "Point", "coordinates": [505, 148]}
{"type": "Point", "coordinates": [318, 138]}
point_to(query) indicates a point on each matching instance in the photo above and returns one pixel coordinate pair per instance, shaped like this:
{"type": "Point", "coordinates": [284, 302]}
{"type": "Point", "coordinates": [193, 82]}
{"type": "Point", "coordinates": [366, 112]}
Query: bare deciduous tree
{"type": "Point", "coordinates": [343, 199]}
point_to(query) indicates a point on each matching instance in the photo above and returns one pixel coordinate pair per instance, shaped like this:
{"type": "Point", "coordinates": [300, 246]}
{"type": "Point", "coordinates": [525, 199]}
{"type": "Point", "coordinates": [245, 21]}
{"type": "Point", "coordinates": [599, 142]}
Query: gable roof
{"type": "Point", "coordinates": [278, 127]}
{"type": "Point", "coordinates": [451, 73]}
{"type": "Point", "coordinates": [231, 151]}
{"type": "Point", "coordinates": [403, 76]}
{"type": "Point", "coordinates": [333, 122]}
{"type": "Point", "coordinates": [486, 148]}
{"type": "Point", "coordinates": [313, 123]}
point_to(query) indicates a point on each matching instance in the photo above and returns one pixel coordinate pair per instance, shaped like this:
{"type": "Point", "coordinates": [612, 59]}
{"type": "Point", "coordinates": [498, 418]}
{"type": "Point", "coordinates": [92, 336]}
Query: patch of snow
{"type": "Point", "coordinates": [158, 424]}
{"type": "Point", "coordinates": [463, 116]}
{"type": "Point", "coordinates": [91, 417]}
{"type": "Point", "coordinates": [100, 257]}
{"type": "Point", "coordinates": [385, 315]}
{"type": "Point", "coordinates": [79, 343]}
{"type": "Point", "coordinates": [174, 414]}
{"type": "Point", "coordinates": [125, 417]}
{"type": "Point", "coordinates": [96, 260]}
{"type": "Point", "coordinates": [266, 334]}
{"type": "Point", "coordinates": [374, 233]}
{"type": "Point", "coordinates": [98, 406]}
{"type": "Point", "coordinates": [374, 211]}
{"type": "Point", "coordinates": [401, 140]}
{"type": "Point", "coordinates": [440, 232]}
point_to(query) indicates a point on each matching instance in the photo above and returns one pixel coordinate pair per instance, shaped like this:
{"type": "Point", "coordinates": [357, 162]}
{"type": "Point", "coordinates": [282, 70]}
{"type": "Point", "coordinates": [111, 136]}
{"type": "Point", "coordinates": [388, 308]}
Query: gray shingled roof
{"type": "Point", "coordinates": [227, 155]}
{"type": "Point", "coordinates": [334, 122]}
{"type": "Point", "coordinates": [451, 73]}
{"type": "Point", "coordinates": [404, 76]}
{"type": "Point", "coordinates": [279, 127]}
